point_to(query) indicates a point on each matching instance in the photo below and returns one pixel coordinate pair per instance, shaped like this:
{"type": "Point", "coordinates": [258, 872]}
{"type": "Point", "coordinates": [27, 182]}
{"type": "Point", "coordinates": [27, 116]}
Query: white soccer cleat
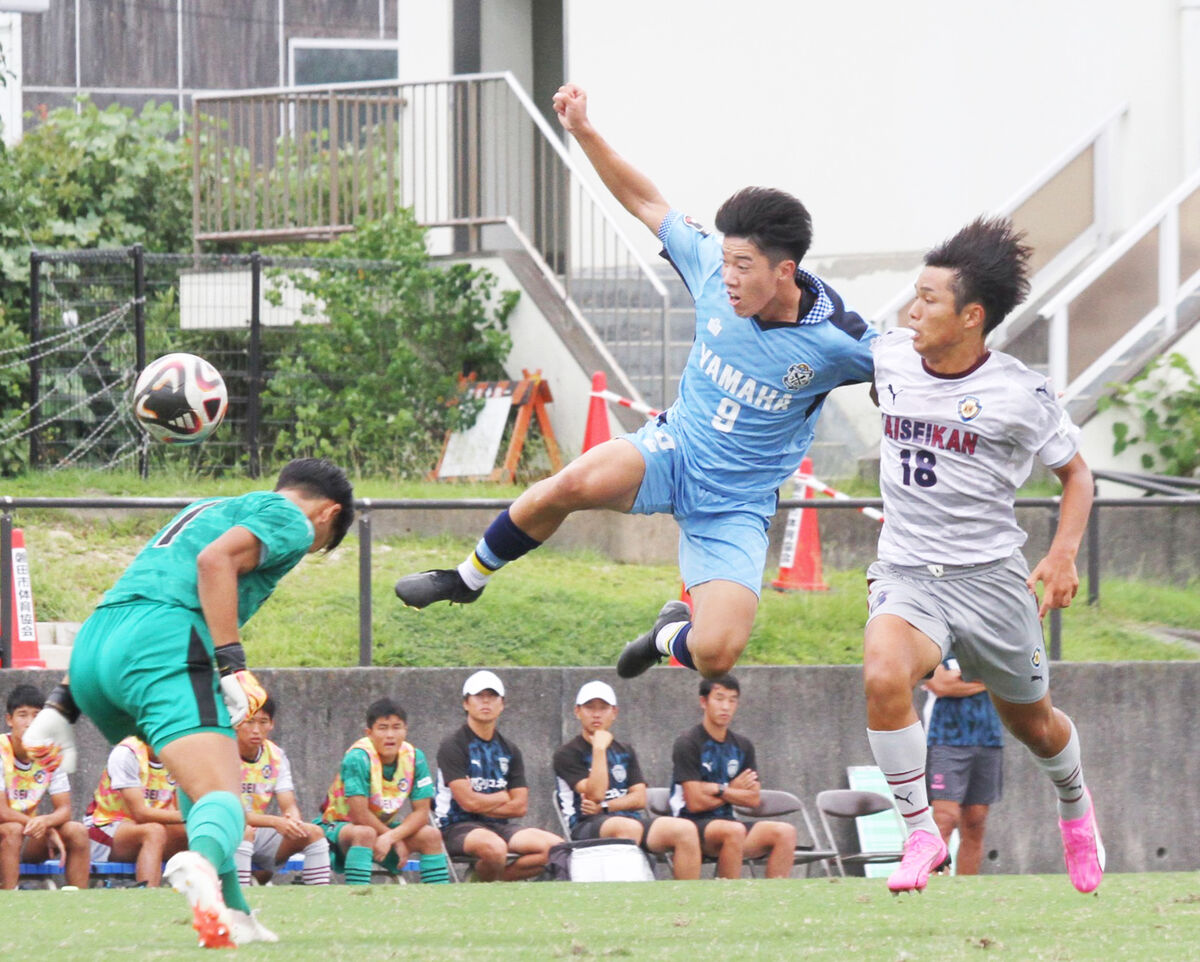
{"type": "Point", "coordinates": [247, 928]}
{"type": "Point", "coordinates": [192, 875]}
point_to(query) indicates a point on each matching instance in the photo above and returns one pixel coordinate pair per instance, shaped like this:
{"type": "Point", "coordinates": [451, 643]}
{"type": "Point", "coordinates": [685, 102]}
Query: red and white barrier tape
{"type": "Point", "coordinates": [627, 403]}
{"type": "Point", "coordinates": [808, 481]}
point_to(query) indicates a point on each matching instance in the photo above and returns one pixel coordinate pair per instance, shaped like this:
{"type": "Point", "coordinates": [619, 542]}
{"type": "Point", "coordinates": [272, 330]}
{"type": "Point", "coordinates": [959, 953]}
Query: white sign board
{"type": "Point", "coordinates": [472, 453]}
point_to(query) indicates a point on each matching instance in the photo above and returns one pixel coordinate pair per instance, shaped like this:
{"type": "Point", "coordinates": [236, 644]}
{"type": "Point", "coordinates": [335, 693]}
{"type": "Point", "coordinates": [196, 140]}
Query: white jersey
{"type": "Point", "coordinates": [954, 451]}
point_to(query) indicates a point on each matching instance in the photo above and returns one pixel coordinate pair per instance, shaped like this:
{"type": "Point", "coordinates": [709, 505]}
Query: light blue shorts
{"type": "Point", "coordinates": [721, 538]}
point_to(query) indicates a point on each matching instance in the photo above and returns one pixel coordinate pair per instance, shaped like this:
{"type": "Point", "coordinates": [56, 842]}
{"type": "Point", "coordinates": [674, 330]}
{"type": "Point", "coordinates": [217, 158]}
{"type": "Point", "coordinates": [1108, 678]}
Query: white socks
{"type": "Point", "coordinates": [1066, 772]}
{"type": "Point", "coordinates": [316, 863]}
{"type": "Point", "coordinates": [900, 755]}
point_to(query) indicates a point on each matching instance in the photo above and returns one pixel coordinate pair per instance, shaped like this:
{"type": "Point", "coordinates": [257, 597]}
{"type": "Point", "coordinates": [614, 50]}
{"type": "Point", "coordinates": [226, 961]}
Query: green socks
{"type": "Point", "coordinates": [358, 865]}
{"type": "Point", "coordinates": [434, 869]}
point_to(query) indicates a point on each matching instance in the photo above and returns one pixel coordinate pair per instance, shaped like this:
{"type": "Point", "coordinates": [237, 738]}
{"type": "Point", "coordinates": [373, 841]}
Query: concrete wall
{"type": "Point", "coordinates": [896, 122]}
{"type": "Point", "coordinates": [808, 724]}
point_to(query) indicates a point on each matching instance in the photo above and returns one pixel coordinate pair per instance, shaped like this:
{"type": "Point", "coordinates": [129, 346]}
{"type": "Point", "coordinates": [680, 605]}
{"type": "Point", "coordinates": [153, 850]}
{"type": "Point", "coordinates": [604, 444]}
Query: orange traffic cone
{"type": "Point", "coordinates": [800, 557]}
{"type": "Point", "coordinates": [597, 430]}
{"type": "Point", "coordinates": [25, 653]}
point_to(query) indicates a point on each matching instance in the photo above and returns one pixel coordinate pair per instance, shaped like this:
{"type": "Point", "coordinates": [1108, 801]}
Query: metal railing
{"type": "Point", "coordinates": [1066, 213]}
{"type": "Point", "coordinates": [1125, 306]}
{"type": "Point", "coordinates": [470, 155]}
{"type": "Point", "coordinates": [366, 506]}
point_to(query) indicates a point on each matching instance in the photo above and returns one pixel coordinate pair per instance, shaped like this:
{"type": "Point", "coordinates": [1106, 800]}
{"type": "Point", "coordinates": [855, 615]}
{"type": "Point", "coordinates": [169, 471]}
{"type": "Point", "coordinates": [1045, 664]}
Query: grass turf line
{"type": "Point", "coordinates": [1132, 917]}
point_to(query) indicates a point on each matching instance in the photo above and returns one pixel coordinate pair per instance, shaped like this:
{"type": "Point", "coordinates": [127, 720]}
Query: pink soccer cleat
{"type": "Point", "coordinates": [1083, 849]}
{"type": "Point", "coordinates": [924, 853]}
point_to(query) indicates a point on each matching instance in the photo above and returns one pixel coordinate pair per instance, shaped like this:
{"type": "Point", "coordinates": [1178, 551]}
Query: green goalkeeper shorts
{"type": "Point", "coordinates": [147, 669]}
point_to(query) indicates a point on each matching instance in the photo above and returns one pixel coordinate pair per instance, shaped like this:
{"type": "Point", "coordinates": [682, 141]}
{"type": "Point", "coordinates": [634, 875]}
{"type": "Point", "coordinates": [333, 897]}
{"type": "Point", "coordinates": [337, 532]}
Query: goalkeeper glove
{"type": "Point", "coordinates": [240, 690]}
{"type": "Point", "coordinates": [50, 739]}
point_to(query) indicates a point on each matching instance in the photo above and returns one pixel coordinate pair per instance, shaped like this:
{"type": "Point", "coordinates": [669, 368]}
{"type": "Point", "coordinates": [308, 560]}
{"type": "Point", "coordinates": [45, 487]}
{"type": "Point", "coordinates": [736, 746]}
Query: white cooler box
{"type": "Point", "coordinates": [609, 860]}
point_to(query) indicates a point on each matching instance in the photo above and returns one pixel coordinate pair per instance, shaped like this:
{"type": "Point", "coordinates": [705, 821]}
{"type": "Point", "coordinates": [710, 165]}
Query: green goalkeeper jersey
{"type": "Point", "coordinates": [165, 569]}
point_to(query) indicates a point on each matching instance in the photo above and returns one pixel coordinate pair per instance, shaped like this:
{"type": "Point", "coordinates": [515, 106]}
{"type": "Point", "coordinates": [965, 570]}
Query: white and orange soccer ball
{"type": "Point", "coordinates": [180, 399]}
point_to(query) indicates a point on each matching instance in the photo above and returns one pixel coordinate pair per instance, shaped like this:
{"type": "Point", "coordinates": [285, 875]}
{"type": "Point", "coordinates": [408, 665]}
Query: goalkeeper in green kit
{"type": "Point", "coordinates": [160, 658]}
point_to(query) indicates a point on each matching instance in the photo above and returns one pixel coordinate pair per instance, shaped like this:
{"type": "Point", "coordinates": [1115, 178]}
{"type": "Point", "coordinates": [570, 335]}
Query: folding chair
{"type": "Point", "coordinates": [775, 803]}
{"type": "Point", "coordinates": [876, 832]}
{"type": "Point", "coordinates": [859, 805]}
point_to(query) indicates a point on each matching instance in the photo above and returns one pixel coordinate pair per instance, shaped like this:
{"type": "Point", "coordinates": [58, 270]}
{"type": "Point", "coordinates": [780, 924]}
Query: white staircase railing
{"type": "Point", "coordinates": [1066, 213]}
{"type": "Point", "coordinates": [1125, 305]}
{"type": "Point", "coordinates": [469, 154]}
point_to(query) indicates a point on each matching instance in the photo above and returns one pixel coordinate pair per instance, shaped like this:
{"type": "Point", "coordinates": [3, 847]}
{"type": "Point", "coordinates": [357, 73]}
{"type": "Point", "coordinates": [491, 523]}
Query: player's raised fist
{"type": "Point", "coordinates": [570, 103]}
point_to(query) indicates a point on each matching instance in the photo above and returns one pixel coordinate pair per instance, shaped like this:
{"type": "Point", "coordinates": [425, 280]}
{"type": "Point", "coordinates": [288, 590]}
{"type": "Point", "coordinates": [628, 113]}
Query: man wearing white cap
{"type": "Point", "coordinates": [601, 791]}
{"type": "Point", "coordinates": [482, 787]}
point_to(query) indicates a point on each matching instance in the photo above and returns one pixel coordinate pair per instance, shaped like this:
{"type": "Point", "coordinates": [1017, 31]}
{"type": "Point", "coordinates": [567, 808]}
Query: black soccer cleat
{"type": "Point", "coordinates": [642, 653]}
{"type": "Point", "coordinates": [440, 584]}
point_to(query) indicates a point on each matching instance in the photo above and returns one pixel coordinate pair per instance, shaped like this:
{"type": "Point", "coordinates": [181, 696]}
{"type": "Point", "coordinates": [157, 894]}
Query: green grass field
{"type": "Point", "coordinates": [1131, 917]}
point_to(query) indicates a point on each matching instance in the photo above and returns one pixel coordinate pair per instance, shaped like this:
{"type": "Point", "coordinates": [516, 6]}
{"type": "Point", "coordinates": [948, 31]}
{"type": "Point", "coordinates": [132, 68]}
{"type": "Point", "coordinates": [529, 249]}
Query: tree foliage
{"type": "Point", "coordinates": [1163, 403]}
{"type": "Point", "coordinates": [96, 178]}
{"type": "Point", "coordinates": [374, 386]}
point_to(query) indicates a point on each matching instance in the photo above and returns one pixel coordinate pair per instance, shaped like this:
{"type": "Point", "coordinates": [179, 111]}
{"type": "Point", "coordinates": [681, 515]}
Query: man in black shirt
{"type": "Point", "coordinates": [713, 769]}
{"type": "Point", "coordinates": [601, 791]}
{"type": "Point", "coordinates": [481, 787]}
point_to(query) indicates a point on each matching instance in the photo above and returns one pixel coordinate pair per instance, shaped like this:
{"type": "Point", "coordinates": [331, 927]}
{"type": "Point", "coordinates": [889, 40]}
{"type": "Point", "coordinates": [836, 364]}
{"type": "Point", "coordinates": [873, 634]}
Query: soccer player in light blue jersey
{"type": "Point", "coordinates": [771, 342]}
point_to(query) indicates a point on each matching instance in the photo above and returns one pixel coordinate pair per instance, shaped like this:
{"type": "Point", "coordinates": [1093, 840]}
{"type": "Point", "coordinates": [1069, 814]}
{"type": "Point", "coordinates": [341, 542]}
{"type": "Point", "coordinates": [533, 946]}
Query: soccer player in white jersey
{"type": "Point", "coordinates": [771, 341]}
{"type": "Point", "coordinates": [961, 425]}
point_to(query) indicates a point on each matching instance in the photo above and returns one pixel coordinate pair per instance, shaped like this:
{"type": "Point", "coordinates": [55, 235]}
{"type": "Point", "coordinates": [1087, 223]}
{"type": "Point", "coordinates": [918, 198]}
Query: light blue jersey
{"type": "Point", "coordinates": [748, 402]}
{"type": "Point", "coordinates": [751, 392]}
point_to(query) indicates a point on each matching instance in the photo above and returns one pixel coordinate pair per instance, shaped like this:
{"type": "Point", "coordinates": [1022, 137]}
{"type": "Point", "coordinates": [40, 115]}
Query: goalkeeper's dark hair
{"type": "Point", "coordinates": [24, 696]}
{"type": "Point", "coordinates": [320, 478]}
{"type": "Point", "coordinates": [725, 681]}
{"type": "Point", "coordinates": [774, 221]}
{"type": "Point", "coordinates": [384, 708]}
{"type": "Point", "coordinates": [268, 708]}
{"type": "Point", "coordinates": [990, 265]}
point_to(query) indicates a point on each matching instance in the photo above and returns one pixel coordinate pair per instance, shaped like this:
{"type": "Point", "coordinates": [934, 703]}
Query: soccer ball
{"type": "Point", "coordinates": [180, 399]}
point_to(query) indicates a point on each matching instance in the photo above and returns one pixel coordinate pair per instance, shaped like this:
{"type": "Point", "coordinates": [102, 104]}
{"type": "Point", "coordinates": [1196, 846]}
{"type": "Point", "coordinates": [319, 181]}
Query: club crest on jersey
{"type": "Point", "coordinates": [694, 225]}
{"type": "Point", "coordinates": [618, 773]}
{"type": "Point", "coordinates": [969, 408]}
{"type": "Point", "coordinates": [798, 376]}
{"type": "Point", "coordinates": [731, 767]}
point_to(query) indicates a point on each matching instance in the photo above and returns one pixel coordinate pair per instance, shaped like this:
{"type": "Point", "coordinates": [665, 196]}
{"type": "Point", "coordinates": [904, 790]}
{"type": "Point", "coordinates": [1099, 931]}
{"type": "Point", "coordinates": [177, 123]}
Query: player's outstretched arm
{"type": "Point", "coordinates": [1057, 571]}
{"type": "Point", "coordinates": [633, 189]}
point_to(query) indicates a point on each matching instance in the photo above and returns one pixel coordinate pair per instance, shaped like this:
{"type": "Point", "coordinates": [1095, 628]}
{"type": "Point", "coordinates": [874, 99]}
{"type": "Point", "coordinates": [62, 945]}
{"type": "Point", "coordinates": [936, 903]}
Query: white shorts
{"type": "Point", "coordinates": [266, 845]}
{"type": "Point", "coordinates": [101, 837]}
{"type": "Point", "coordinates": [984, 614]}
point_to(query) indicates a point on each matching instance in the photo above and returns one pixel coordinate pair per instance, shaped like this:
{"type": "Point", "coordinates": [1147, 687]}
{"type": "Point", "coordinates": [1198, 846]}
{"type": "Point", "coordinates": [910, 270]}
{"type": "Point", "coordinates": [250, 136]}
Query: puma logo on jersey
{"type": "Point", "coordinates": [894, 393]}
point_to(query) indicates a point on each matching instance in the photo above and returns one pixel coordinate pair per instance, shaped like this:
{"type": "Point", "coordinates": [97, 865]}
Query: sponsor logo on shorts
{"type": "Point", "coordinates": [1036, 658]}
{"type": "Point", "coordinates": [969, 408]}
{"type": "Point", "coordinates": [798, 375]}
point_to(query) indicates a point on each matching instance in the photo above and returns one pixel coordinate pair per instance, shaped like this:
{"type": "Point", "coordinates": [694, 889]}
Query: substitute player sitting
{"type": "Point", "coordinates": [271, 840]}
{"type": "Point", "coordinates": [771, 342]}
{"type": "Point", "coordinates": [362, 816]}
{"type": "Point", "coordinates": [601, 790]}
{"type": "Point", "coordinates": [714, 768]}
{"type": "Point", "coordinates": [961, 426]}
{"type": "Point", "coordinates": [24, 783]}
{"type": "Point", "coordinates": [134, 814]}
{"type": "Point", "coordinates": [162, 657]}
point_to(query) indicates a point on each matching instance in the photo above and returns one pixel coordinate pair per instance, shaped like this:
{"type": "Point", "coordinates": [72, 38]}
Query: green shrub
{"type": "Point", "coordinates": [1163, 402]}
